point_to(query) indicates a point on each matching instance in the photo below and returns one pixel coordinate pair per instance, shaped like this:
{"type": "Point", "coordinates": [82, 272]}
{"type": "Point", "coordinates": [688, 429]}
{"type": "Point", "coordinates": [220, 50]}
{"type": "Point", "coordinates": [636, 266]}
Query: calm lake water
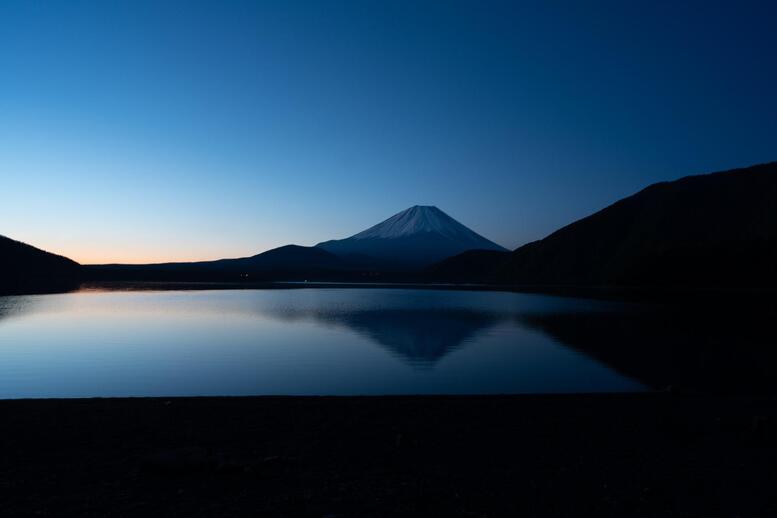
{"type": "Point", "coordinates": [293, 342]}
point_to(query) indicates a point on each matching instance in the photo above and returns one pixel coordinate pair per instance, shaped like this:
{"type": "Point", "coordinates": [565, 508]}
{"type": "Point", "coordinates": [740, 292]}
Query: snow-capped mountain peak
{"type": "Point", "coordinates": [418, 235]}
{"type": "Point", "coordinates": [415, 220]}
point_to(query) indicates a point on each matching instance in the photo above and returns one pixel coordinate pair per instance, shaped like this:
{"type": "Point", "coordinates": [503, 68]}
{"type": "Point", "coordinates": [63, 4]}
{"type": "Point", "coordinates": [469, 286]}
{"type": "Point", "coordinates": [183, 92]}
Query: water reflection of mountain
{"type": "Point", "coordinates": [690, 347]}
{"type": "Point", "coordinates": [700, 351]}
{"type": "Point", "coordinates": [419, 337]}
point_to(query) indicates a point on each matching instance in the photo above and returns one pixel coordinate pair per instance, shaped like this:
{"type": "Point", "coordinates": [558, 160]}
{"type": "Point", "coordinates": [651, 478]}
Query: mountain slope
{"type": "Point", "coordinates": [413, 238]}
{"type": "Point", "coordinates": [24, 268]}
{"type": "Point", "coordinates": [713, 230]}
{"type": "Point", "coordinates": [717, 229]}
{"type": "Point", "coordinates": [288, 262]}
{"type": "Point", "coordinates": [469, 266]}
{"type": "Point", "coordinates": [287, 258]}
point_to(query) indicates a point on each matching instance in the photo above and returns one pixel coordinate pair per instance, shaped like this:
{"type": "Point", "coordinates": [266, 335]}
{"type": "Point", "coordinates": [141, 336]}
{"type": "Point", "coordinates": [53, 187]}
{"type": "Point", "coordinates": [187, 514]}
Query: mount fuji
{"type": "Point", "coordinates": [413, 238]}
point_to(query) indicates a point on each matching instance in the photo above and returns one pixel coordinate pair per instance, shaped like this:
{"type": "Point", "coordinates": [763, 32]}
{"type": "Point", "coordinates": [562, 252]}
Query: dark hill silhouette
{"type": "Point", "coordinates": [469, 266]}
{"type": "Point", "coordinates": [714, 230]}
{"type": "Point", "coordinates": [25, 269]}
{"type": "Point", "coordinates": [290, 262]}
{"type": "Point", "coordinates": [709, 231]}
{"type": "Point", "coordinates": [288, 257]}
{"type": "Point", "coordinates": [392, 250]}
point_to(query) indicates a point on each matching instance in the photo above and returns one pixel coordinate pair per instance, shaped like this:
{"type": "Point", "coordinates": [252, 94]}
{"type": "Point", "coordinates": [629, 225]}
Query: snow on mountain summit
{"type": "Point", "coordinates": [418, 235]}
{"type": "Point", "coordinates": [415, 220]}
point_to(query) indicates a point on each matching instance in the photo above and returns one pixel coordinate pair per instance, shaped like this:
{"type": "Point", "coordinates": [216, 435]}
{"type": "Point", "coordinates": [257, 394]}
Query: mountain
{"type": "Point", "coordinates": [284, 258]}
{"type": "Point", "coordinates": [413, 238]}
{"type": "Point", "coordinates": [386, 252]}
{"type": "Point", "coordinates": [470, 266]}
{"type": "Point", "coordinates": [290, 262]}
{"type": "Point", "coordinates": [24, 268]}
{"type": "Point", "coordinates": [713, 230]}
{"type": "Point", "coordinates": [418, 337]}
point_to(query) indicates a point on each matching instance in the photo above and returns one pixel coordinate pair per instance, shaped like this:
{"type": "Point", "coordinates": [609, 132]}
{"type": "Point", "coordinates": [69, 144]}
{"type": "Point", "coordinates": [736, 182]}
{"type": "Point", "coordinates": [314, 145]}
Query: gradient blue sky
{"type": "Point", "coordinates": [153, 131]}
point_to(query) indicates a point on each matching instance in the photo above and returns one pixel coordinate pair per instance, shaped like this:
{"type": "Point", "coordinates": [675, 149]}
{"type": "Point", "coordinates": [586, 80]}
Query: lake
{"type": "Point", "coordinates": [296, 342]}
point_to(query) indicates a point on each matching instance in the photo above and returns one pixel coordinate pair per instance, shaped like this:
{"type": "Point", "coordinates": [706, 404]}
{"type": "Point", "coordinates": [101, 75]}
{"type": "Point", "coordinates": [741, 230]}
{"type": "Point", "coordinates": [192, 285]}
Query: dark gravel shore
{"type": "Point", "coordinates": [586, 455]}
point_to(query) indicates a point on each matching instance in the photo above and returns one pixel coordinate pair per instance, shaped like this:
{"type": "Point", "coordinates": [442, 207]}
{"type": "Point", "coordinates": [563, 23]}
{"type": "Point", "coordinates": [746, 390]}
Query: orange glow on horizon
{"type": "Point", "coordinates": [143, 256]}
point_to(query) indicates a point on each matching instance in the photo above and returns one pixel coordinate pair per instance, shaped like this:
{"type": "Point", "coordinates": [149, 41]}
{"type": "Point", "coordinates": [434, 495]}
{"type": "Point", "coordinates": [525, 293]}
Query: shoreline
{"type": "Point", "coordinates": [759, 297]}
{"type": "Point", "coordinates": [752, 298]}
{"type": "Point", "coordinates": [645, 454]}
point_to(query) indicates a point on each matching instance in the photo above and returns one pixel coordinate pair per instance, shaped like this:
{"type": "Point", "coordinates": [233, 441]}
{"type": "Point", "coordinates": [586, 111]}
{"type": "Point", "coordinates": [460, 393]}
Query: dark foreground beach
{"type": "Point", "coordinates": [588, 455]}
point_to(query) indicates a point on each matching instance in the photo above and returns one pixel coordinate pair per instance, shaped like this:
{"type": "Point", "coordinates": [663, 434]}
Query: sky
{"type": "Point", "coordinates": [149, 131]}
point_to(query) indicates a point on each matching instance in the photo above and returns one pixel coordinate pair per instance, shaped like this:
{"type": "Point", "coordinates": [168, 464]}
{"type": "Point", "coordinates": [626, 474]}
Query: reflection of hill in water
{"type": "Point", "coordinates": [419, 337]}
{"type": "Point", "coordinates": [708, 351]}
{"type": "Point", "coordinates": [705, 350]}
{"type": "Point", "coordinates": [691, 347]}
